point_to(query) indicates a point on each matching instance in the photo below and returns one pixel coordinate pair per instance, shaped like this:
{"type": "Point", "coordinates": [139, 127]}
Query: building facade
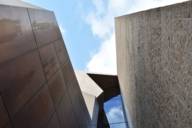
{"type": "Point", "coordinates": [154, 57]}
{"type": "Point", "coordinates": [38, 86]}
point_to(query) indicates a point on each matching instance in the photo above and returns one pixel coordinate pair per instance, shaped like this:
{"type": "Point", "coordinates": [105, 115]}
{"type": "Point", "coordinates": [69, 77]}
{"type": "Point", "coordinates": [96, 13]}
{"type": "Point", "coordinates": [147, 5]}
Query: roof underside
{"type": "Point", "coordinates": [108, 83]}
{"type": "Point", "coordinates": [88, 85]}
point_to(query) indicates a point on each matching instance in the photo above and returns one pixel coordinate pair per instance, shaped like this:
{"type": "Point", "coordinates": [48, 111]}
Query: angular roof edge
{"type": "Point", "coordinates": [19, 3]}
{"type": "Point", "coordinates": [88, 85]}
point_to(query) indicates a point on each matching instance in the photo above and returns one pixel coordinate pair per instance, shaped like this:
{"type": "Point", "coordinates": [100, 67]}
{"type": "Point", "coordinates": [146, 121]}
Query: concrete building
{"type": "Point", "coordinates": [91, 92]}
{"type": "Point", "coordinates": [154, 57]}
{"type": "Point", "coordinates": [39, 88]}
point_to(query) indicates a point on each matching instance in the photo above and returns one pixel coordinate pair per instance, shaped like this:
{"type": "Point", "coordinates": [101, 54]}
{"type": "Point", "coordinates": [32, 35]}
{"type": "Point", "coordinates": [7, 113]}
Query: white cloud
{"type": "Point", "coordinates": [98, 62]}
{"type": "Point", "coordinates": [116, 118]}
{"type": "Point", "coordinates": [140, 5]}
{"type": "Point", "coordinates": [101, 21]}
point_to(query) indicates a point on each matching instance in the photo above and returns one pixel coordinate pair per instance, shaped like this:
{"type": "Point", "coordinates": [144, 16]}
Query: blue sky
{"type": "Point", "coordinates": [114, 111]}
{"type": "Point", "coordinates": [88, 28]}
{"type": "Point", "coordinates": [88, 31]}
{"type": "Point", "coordinates": [77, 35]}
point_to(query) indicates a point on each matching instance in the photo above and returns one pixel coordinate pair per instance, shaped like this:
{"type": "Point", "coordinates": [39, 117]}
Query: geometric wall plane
{"type": "Point", "coordinates": [154, 66]}
{"type": "Point", "coordinates": [38, 87]}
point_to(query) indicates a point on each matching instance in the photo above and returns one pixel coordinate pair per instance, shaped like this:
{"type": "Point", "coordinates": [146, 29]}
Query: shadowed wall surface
{"type": "Point", "coordinates": [154, 60]}
{"type": "Point", "coordinates": [109, 84]}
{"type": "Point", "coordinates": [38, 87]}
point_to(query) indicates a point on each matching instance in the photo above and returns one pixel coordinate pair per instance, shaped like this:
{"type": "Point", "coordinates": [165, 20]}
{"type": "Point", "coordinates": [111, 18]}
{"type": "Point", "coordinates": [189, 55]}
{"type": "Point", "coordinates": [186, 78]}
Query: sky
{"type": "Point", "coordinates": [114, 112]}
{"type": "Point", "coordinates": [87, 27]}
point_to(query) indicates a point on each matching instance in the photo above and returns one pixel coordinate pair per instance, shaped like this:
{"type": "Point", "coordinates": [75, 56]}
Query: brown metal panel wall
{"type": "Point", "coordinates": [38, 87]}
{"type": "Point", "coordinates": [4, 118]}
{"type": "Point", "coordinates": [16, 34]}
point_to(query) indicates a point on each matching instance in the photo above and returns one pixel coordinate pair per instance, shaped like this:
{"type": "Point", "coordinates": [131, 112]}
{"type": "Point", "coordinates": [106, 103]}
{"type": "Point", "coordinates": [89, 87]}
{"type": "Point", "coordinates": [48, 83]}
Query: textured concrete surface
{"type": "Point", "coordinates": [154, 57]}
{"type": "Point", "coordinates": [91, 91]}
{"type": "Point", "coordinates": [93, 108]}
{"type": "Point", "coordinates": [87, 85]}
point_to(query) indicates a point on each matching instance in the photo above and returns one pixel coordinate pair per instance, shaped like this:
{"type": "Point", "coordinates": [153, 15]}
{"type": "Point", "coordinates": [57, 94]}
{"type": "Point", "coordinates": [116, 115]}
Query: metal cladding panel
{"type": "Point", "coordinates": [38, 87]}
{"type": "Point", "coordinates": [20, 79]}
{"type": "Point", "coordinates": [8, 126]}
{"type": "Point", "coordinates": [154, 66]}
{"type": "Point", "coordinates": [44, 26]}
{"type": "Point", "coordinates": [66, 114]}
{"type": "Point", "coordinates": [4, 119]}
{"type": "Point", "coordinates": [37, 113]}
{"type": "Point", "coordinates": [54, 122]}
{"type": "Point", "coordinates": [57, 87]}
{"type": "Point", "coordinates": [49, 60]}
{"type": "Point", "coordinates": [61, 52]}
{"type": "Point", "coordinates": [78, 104]}
{"type": "Point", "coordinates": [16, 35]}
{"type": "Point", "coordinates": [68, 73]}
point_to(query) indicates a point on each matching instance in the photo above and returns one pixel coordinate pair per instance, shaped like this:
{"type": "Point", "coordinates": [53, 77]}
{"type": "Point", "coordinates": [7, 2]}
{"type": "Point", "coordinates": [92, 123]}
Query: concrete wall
{"type": "Point", "coordinates": [38, 87]}
{"type": "Point", "coordinates": [154, 56]}
{"type": "Point", "coordinates": [93, 108]}
{"type": "Point", "coordinates": [91, 92]}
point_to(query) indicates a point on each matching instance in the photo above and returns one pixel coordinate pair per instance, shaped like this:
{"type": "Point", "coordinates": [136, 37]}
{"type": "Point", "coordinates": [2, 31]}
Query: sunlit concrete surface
{"type": "Point", "coordinates": [93, 108]}
{"type": "Point", "coordinates": [87, 85]}
{"type": "Point", "coordinates": [91, 91]}
{"type": "Point", "coordinates": [154, 66]}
